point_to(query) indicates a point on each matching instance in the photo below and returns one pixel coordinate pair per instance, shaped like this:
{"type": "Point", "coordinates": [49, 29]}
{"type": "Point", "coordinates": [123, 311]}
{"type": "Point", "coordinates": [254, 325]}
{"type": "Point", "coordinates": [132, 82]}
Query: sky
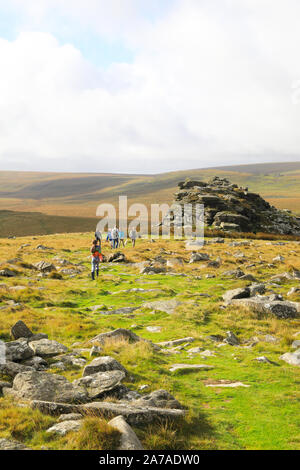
{"type": "Point", "coordinates": [141, 86]}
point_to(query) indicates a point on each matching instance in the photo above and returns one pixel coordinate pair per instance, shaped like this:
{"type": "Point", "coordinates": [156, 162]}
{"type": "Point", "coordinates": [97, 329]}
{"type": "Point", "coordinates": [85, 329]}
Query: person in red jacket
{"type": "Point", "coordinates": [96, 258]}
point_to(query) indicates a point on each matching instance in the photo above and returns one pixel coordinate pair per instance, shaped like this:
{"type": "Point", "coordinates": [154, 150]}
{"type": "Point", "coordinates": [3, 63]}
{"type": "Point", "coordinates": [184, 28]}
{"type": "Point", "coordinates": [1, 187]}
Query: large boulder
{"type": "Point", "coordinates": [47, 348]}
{"type": "Point", "coordinates": [103, 364]}
{"type": "Point", "coordinates": [119, 333]}
{"type": "Point", "coordinates": [292, 358]}
{"type": "Point", "coordinates": [117, 257]}
{"type": "Point", "coordinates": [241, 293]}
{"type": "Point", "coordinates": [278, 308]}
{"type": "Point", "coordinates": [20, 330]}
{"type": "Point", "coordinates": [7, 273]}
{"type": "Point", "coordinates": [35, 385]}
{"type": "Point", "coordinates": [45, 267]}
{"type": "Point", "coordinates": [64, 427]}
{"type": "Point", "coordinates": [17, 351]}
{"type": "Point", "coordinates": [196, 257]}
{"type": "Point", "coordinates": [99, 384]}
{"type": "Point", "coordinates": [134, 415]}
{"type": "Point", "coordinates": [167, 306]}
{"type": "Point", "coordinates": [128, 440]}
{"type": "Point", "coordinates": [158, 399]}
{"type": "Point", "coordinates": [11, 369]}
{"type": "Point", "coordinates": [9, 444]}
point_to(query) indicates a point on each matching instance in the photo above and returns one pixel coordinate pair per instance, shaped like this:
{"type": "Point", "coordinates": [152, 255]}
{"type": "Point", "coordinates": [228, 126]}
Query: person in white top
{"type": "Point", "coordinates": [133, 236]}
{"type": "Point", "coordinates": [115, 237]}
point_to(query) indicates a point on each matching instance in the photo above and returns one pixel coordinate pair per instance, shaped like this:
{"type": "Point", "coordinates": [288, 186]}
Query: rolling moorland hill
{"type": "Point", "coordinates": [77, 196]}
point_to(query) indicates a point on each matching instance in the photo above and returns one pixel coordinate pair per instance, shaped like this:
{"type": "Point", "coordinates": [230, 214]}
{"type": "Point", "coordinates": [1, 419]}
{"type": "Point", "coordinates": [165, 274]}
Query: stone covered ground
{"type": "Point", "coordinates": [204, 354]}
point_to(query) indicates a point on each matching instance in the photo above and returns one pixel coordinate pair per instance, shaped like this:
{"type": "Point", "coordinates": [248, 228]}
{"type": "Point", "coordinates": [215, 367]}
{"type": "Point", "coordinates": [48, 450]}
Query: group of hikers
{"type": "Point", "coordinates": [116, 238]}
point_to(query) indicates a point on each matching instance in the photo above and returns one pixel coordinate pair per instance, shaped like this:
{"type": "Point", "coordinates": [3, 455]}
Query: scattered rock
{"type": "Point", "coordinates": [158, 399]}
{"type": "Point", "coordinates": [43, 386]}
{"type": "Point", "coordinates": [132, 414]}
{"type": "Point", "coordinates": [292, 358]}
{"type": "Point", "coordinates": [47, 348]}
{"type": "Point", "coordinates": [9, 444]}
{"type": "Point", "coordinates": [189, 367]}
{"type": "Point", "coordinates": [45, 267]}
{"type": "Point", "coordinates": [120, 333]}
{"type": "Point", "coordinates": [20, 330]}
{"type": "Point", "coordinates": [167, 306]}
{"type": "Point", "coordinates": [154, 329]}
{"type": "Point", "coordinates": [98, 384]}
{"type": "Point", "coordinates": [240, 293]}
{"type": "Point", "coordinates": [7, 273]}
{"type": "Point", "coordinates": [176, 342]}
{"type": "Point", "coordinates": [231, 339]}
{"type": "Point", "coordinates": [64, 427]}
{"type": "Point", "coordinates": [228, 385]}
{"type": "Point", "coordinates": [129, 440]}
{"type": "Point", "coordinates": [103, 364]}
{"type": "Point", "coordinates": [70, 417]}
{"type": "Point", "coordinates": [117, 257]}
{"type": "Point", "coordinates": [17, 351]}
{"type": "Point", "coordinates": [196, 257]}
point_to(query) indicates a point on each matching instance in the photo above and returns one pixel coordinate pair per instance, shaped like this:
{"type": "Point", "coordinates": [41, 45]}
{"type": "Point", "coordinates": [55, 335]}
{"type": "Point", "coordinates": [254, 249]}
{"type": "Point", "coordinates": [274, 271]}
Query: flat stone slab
{"type": "Point", "coordinates": [47, 348]}
{"type": "Point", "coordinates": [103, 364]}
{"type": "Point", "coordinates": [189, 367]}
{"type": "Point", "coordinates": [9, 444]}
{"type": "Point", "coordinates": [129, 440]}
{"type": "Point", "coordinates": [133, 415]}
{"type": "Point", "coordinates": [35, 385]}
{"type": "Point", "coordinates": [167, 306]}
{"type": "Point", "coordinates": [228, 385]}
{"type": "Point", "coordinates": [119, 333]}
{"type": "Point", "coordinates": [94, 386]}
{"type": "Point", "coordinates": [292, 358]}
{"type": "Point", "coordinates": [176, 342]}
{"type": "Point", "coordinates": [64, 427]}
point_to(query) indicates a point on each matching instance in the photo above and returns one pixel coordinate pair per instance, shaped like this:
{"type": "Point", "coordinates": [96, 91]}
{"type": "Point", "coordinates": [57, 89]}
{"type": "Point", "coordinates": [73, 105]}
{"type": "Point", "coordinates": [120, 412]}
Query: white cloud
{"type": "Point", "coordinates": [211, 84]}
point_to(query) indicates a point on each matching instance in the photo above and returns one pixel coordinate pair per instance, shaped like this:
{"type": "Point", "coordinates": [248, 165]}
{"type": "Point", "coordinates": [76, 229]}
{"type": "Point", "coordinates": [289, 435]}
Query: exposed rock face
{"type": "Point", "coordinates": [292, 358]}
{"type": "Point", "coordinates": [20, 330]}
{"type": "Point", "coordinates": [133, 415]}
{"type": "Point", "coordinates": [129, 440]}
{"type": "Point", "coordinates": [43, 386]}
{"type": "Point", "coordinates": [9, 444]}
{"type": "Point", "coordinates": [103, 364]}
{"type": "Point", "coordinates": [64, 427]}
{"type": "Point", "coordinates": [100, 383]}
{"type": "Point", "coordinates": [119, 333]}
{"type": "Point", "coordinates": [167, 306]}
{"type": "Point", "coordinates": [158, 399]}
{"type": "Point", "coordinates": [265, 304]}
{"type": "Point", "coordinates": [45, 267]}
{"type": "Point", "coordinates": [232, 208]}
{"type": "Point", "coordinates": [18, 351]}
{"type": "Point", "coordinates": [47, 348]}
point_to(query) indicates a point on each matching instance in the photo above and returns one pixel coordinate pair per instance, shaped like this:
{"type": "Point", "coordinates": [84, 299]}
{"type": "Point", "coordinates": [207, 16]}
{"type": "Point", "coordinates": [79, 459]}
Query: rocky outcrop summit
{"type": "Point", "coordinates": [232, 208]}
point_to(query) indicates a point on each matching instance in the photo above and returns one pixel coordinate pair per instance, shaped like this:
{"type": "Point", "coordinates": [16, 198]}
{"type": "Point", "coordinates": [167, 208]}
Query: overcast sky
{"type": "Point", "coordinates": [147, 86]}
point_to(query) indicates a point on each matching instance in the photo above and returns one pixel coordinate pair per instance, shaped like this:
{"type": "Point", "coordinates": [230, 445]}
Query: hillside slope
{"type": "Point", "coordinates": [72, 194]}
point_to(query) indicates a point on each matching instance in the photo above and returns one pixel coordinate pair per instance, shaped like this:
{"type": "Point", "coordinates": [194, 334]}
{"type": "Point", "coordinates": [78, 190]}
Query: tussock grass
{"type": "Point", "coordinates": [94, 434]}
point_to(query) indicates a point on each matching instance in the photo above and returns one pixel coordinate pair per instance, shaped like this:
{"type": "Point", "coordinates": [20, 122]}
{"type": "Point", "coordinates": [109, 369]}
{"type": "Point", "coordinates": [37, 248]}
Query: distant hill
{"type": "Point", "coordinates": [77, 195]}
{"type": "Point", "coordinates": [13, 223]}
